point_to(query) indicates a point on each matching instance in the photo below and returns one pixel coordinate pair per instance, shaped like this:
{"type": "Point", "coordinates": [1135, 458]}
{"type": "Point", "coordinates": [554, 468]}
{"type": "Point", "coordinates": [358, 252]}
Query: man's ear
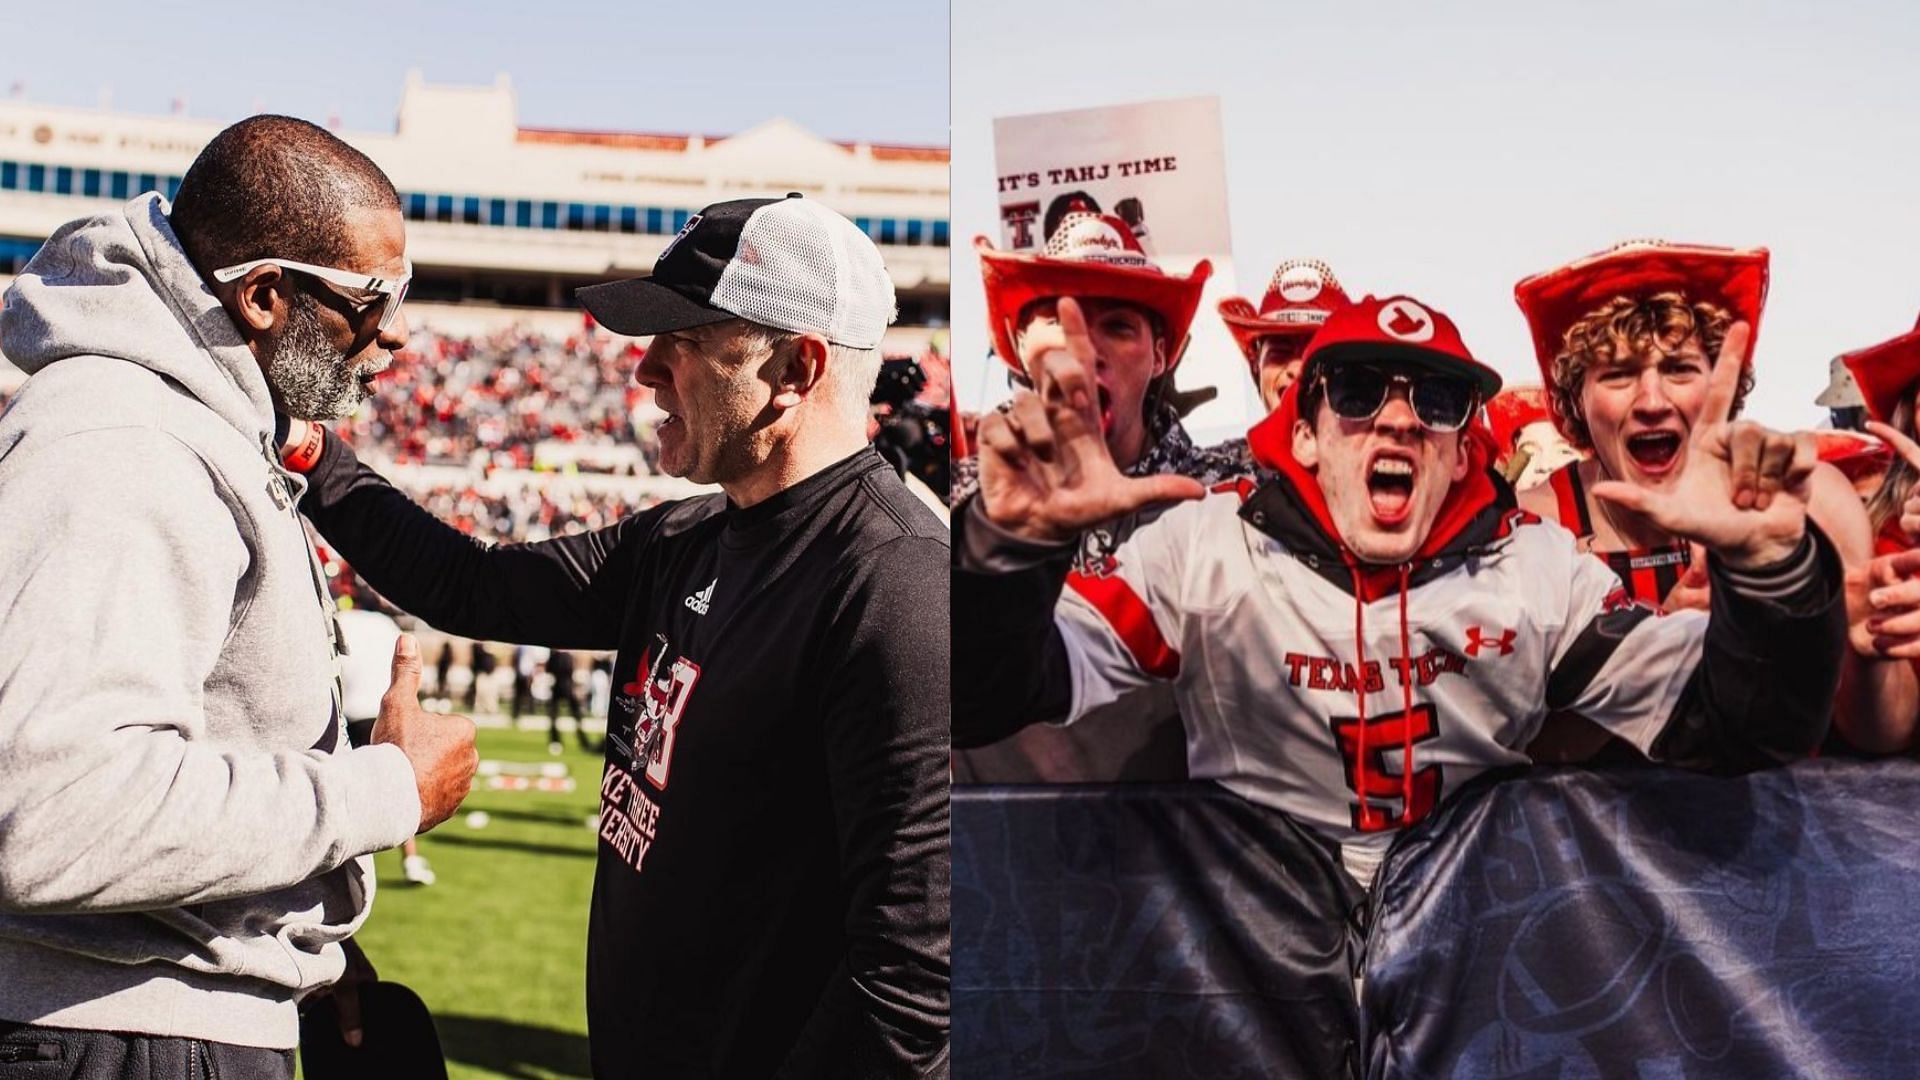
{"type": "Point", "coordinates": [1306, 449]}
{"type": "Point", "coordinates": [259, 300]}
{"type": "Point", "coordinates": [1160, 363]}
{"type": "Point", "coordinates": [1464, 463]}
{"type": "Point", "coordinates": [800, 372]}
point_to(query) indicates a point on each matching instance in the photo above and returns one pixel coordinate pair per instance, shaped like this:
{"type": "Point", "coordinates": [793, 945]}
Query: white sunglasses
{"type": "Point", "coordinates": [394, 289]}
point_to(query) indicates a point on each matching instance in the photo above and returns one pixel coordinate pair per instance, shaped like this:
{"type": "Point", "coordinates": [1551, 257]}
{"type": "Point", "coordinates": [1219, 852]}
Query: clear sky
{"type": "Point", "coordinates": [1448, 150]}
{"type": "Point", "coordinates": [853, 69]}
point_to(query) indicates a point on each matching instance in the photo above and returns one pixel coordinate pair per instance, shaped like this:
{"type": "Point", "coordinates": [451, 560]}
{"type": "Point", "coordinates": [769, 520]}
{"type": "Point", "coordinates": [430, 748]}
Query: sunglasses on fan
{"type": "Point", "coordinates": [1358, 391]}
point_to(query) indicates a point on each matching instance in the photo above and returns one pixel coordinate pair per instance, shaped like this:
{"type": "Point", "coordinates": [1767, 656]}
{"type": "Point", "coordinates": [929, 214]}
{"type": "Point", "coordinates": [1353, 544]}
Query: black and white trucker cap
{"type": "Point", "coordinates": [787, 263]}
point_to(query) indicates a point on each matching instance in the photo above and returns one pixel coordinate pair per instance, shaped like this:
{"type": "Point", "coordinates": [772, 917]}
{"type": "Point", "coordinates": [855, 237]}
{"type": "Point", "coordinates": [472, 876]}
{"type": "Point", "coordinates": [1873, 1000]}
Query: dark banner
{"type": "Point", "coordinates": [1655, 924]}
{"type": "Point", "coordinates": [1167, 931]}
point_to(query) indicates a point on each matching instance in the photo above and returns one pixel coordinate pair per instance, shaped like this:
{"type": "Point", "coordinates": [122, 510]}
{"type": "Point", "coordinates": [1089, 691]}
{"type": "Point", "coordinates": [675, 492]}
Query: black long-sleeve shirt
{"type": "Point", "coordinates": [772, 890]}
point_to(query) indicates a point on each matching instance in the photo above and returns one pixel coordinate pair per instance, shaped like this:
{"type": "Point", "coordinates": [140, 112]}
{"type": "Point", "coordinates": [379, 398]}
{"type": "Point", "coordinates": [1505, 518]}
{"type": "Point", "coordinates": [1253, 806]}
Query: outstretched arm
{"type": "Point", "coordinates": [1764, 689]}
{"type": "Point", "coordinates": [568, 592]}
{"type": "Point", "coordinates": [1046, 476]}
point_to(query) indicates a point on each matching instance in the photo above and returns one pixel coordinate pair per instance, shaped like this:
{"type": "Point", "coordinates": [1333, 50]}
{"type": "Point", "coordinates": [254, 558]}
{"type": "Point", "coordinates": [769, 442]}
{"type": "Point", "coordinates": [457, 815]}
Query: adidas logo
{"type": "Point", "coordinates": [701, 600]}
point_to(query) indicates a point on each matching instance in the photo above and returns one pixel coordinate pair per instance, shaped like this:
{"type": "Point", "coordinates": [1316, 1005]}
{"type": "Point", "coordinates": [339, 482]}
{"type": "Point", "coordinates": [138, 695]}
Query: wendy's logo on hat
{"type": "Point", "coordinates": [1299, 284]}
{"type": "Point", "coordinates": [1097, 238]}
{"type": "Point", "coordinates": [1406, 320]}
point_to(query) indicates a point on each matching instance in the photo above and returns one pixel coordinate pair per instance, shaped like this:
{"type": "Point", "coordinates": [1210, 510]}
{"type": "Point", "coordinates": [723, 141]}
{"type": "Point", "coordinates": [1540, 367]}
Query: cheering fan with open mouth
{"type": "Point", "coordinates": [1626, 340]}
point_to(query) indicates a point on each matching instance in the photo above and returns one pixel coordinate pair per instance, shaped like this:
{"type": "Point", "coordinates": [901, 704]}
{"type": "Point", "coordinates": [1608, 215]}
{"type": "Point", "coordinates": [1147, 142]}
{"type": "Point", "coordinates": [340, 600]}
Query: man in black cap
{"type": "Point", "coordinates": [772, 889]}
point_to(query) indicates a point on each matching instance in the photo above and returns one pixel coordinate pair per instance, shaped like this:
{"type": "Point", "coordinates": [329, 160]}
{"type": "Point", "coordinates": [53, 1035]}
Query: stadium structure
{"type": "Point", "coordinates": [505, 221]}
{"type": "Point", "coordinates": [508, 416]}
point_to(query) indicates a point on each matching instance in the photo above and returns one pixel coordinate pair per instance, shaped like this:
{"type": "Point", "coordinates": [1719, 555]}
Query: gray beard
{"type": "Point", "coordinates": [309, 376]}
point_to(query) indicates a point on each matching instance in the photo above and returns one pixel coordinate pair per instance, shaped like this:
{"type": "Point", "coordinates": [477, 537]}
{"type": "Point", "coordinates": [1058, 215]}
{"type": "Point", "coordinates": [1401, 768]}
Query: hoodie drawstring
{"type": "Point", "coordinates": [1406, 717]}
{"type": "Point", "coordinates": [1368, 820]}
{"type": "Point", "coordinates": [1360, 695]}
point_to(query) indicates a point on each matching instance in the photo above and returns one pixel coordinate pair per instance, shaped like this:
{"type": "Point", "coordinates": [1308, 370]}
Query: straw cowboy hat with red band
{"type": "Point", "coordinates": [1090, 256]}
{"type": "Point", "coordinates": [1301, 295]}
{"type": "Point", "coordinates": [1730, 278]}
{"type": "Point", "coordinates": [1397, 329]}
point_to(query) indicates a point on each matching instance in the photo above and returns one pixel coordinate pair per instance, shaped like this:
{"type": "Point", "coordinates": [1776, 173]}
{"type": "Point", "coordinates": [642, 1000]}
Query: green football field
{"type": "Point", "coordinates": [497, 946]}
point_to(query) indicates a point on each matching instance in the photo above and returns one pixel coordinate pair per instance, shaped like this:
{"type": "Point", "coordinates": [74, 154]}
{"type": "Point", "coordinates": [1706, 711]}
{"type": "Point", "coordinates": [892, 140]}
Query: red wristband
{"type": "Point", "coordinates": [305, 454]}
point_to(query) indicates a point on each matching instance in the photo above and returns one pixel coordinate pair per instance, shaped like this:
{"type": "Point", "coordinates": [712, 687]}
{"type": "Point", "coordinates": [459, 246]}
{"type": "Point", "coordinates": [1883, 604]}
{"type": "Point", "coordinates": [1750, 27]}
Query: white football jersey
{"type": "Point", "coordinates": [1275, 665]}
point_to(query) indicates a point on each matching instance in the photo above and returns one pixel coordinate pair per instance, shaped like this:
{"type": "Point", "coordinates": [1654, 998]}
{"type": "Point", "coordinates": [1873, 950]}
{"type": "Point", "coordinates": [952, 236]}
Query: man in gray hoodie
{"type": "Point", "coordinates": [183, 828]}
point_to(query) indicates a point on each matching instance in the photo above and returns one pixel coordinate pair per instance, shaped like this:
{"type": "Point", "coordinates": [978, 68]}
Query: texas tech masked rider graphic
{"type": "Point", "coordinates": [1357, 638]}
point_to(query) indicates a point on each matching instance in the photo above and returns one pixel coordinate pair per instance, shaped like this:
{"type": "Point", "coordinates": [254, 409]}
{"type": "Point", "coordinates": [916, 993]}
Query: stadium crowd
{"type": "Point", "coordinates": [533, 511]}
{"type": "Point", "coordinates": [491, 399]}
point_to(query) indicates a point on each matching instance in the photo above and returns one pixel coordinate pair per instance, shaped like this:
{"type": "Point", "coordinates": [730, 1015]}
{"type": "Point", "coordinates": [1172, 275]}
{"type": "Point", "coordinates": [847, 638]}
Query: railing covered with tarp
{"type": "Point", "coordinates": [1564, 923]}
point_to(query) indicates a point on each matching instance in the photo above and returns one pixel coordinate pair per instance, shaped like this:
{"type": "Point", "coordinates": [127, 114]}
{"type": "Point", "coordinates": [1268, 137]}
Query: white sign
{"type": "Point", "coordinates": [1161, 168]}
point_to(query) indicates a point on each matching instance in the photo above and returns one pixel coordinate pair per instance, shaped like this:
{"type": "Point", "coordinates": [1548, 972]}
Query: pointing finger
{"type": "Point", "coordinates": [1723, 384]}
{"type": "Point", "coordinates": [1902, 445]}
{"type": "Point", "coordinates": [1073, 323]}
{"type": "Point", "coordinates": [1066, 380]}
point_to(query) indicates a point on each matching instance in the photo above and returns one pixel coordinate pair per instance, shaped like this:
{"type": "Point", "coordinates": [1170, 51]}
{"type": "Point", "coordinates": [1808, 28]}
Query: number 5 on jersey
{"type": "Point", "coordinates": [1387, 737]}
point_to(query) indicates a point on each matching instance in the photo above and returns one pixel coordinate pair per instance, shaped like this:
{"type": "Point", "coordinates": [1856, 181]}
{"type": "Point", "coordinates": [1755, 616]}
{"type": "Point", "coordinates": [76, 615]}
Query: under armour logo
{"type": "Point", "coordinates": [1477, 640]}
{"type": "Point", "coordinates": [700, 601]}
{"type": "Point", "coordinates": [1406, 320]}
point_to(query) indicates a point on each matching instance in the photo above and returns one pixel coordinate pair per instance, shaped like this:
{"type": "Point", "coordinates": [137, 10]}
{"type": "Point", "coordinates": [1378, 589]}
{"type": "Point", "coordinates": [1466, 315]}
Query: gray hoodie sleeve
{"type": "Point", "coordinates": [121, 569]}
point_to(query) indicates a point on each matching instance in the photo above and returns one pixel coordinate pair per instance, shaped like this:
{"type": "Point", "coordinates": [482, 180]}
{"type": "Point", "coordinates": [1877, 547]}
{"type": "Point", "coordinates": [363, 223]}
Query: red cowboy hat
{"type": "Point", "coordinates": [1886, 372]}
{"type": "Point", "coordinates": [1733, 278]}
{"type": "Point", "coordinates": [1301, 295]}
{"type": "Point", "coordinates": [1856, 454]}
{"type": "Point", "coordinates": [1512, 409]}
{"type": "Point", "coordinates": [1399, 329]}
{"type": "Point", "coordinates": [1088, 256]}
